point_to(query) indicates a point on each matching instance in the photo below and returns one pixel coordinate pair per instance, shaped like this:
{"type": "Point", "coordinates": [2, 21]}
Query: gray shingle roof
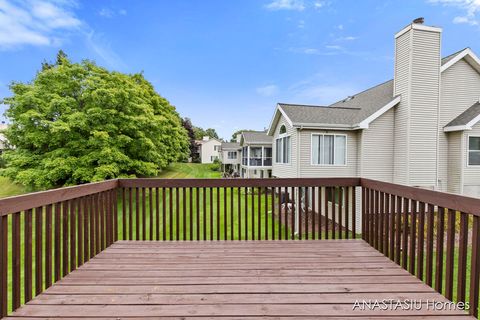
{"type": "Point", "coordinates": [467, 116]}
{"type": "Point", "coordinates": [347, 112]}
{"type": "Point", "coordinates": [256, 137]}
{"type": "Point", "coordinates": [230, 145]}
{"type": "Point", "coordinates": [450, 57]}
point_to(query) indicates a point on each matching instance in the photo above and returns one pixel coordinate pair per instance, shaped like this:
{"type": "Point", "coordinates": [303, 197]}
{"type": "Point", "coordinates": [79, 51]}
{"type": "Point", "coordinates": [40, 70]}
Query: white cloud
{"type": "Point", "coordinates": [333, 47]}
{"type": "Point", "coordinates": [101, 47]}
{"type": "Point", "coordinates": [109, 13]}
{"type": "Point", "coordinates": [268, 90]}
{"type": "Point", "coordinates": [34, 23]}
{"type": "Point", "coordinates": [319, 4]}
{"type": "Point", "coordinates": [340, 27]}
{"type": "Point", "coordinates": [471, 8]}
{"type": "Point", "coordinates": [301, 24]}
{"type": "Point", "coordinates": [297, 5]}
{"type": "Point", "coordinates": [347, 38]}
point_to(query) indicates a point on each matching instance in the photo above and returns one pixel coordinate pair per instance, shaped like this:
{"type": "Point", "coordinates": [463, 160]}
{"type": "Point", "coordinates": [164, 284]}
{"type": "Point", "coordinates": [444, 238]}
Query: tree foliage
{"type": "Point", "coordinates": [234, 135]}
{"type": "Point", "coordinates": [193, 147]}
{"type": "Point", "coordinates": [78, 122]}
{"type": "Point", "coordinates": [200, 133]}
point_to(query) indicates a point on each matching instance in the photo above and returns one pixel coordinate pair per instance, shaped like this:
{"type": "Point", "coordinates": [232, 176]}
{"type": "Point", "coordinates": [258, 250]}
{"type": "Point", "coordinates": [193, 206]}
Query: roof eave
{"type": "Point", "coordinates": [364, 124]}
{"type": "Point", "coordinates": [468, 54]}
{"type": "Point", "coordinates": [468, 126]}
{"type": "Point", "coordinates": [273, 122]}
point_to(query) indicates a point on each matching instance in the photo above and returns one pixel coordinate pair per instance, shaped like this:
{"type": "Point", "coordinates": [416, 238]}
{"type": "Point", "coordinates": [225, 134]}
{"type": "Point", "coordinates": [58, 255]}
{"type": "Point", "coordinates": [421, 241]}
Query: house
{"type": "Point", "coordinates": [3, 140]}
{"type": "Point", "coordinates": [208, 149]}
{"type": "Point", "coordinates": [419, 129]}
{"type": "Point", "coordinates": [230, 157]}
{"type": "Point", "coordinates": [256, 153]}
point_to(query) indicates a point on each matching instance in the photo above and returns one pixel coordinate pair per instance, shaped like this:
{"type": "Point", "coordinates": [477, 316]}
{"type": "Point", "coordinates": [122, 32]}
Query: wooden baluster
{"type": "Point", "coordinates": [211, 214]}
{"type": "Point", "coordinates": [462, 258]}
{"type": "Point", "coordinates": [93, 225]}
{"type": "Point", "coordinates": [225, 191]}
{"type": "Point", "coordinates": [232, 224]}
{"type": "Point", "coordinates": [57, 245]}
{"type": "Point", "coordinates": [406, 206]}
{"type": "Point", "coordinates": [38, 250]}
{"type": "Point", "coordinates": [380, 212]}
{"type": "Point", "coordinates": [305, 190]}
{"type": "Point", "coordinates": [124, 214]}
{"type": "Point", "coordinates": [439, 251]}
{"type": "Point", "coordinates": [273, 212]}
{"type": "Point", "coordinates": [48, 246]}
{"type": "Point", "coordinates": [421, 240]}
{"type": "Point", "coordinates": [319, 212]}
{"type": "Point", "coordinates": [429, 248]}
{"type": "Point", "coordinates": [65, 223]}
{"type": "Point", "coordinates": [157, 213]}
{"type": "Point", "coordinates": [16, 258]}
{"type": "Point", "coordinates": [144, 213]}
{"type": "Point", "coordinates": [252, 208]}
{"type": "Point", "coordinates": [239, 209]}
{"type": "Point", "coordinates": [80, 226]}
{"type": "Point", "coordinates": [73, 240]}
{"type": "Point", "coordinates": [398, 229]}
{"type": "Point", "coordinates": [86, 219]}
{"type": "Point", "coordinates": [27, 271]}
{"type": "Point", "coordinates": [184, 195]}
{"type": "Point", "coordinates": [450, 255]}
{"type": "Point", "coordinates": [295, 210]}
{"type": "Point", "coordinates": [413, 236]}
{"type": "Point", "coordinates": [115, 214]}
{"type": "Point", "coordinates": [265, 195]}
{"type": "Point", "coordinates": [3, 266]}
{"type": "Point", "coordinates": [326, 193]}
{"type": "Point", "coordinates": [150, 203]}
{"type": "Point", "coordinates": [246, 212]}
{"type": "Point", "coordinates": [333, 198]}
{"type": "Point", "coordinates": [475, 267]}
{"type": "Point", "coordinates": [137, 213]}
{"type": "Point", "coordinates": [354, 214]}
{"type": "Point", "coordinates": [364, 214]}
{"type": "Point", "coordinates": [347, 212]}
{"type": "Point", "coordinates": [386, 221]}
{"type": "Point", "coordinates": [191, 212]}
{"type": "Point", "coordinates": [219, 208]}
{"type": "Point", "coordinates": [170, 214]}
{"type": "Point", "coordinates": [177, 212]}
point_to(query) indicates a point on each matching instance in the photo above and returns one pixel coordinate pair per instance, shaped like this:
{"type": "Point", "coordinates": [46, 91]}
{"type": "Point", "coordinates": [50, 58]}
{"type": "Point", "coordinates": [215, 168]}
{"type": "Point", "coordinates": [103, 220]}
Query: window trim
{"type": "Point", "coordinates": [334, 135]}
{"type": "Point", "coordinates": [468, 151]}
{"type": "Point", "coordinates": [274, 155]}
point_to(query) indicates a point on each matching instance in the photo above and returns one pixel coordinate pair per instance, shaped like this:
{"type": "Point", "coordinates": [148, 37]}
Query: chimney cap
{"type": "Point", "coordinates": [419, 20]}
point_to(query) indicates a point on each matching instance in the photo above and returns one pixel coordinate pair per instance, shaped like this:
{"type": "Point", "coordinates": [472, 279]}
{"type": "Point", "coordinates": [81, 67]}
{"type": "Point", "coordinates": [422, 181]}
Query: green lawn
{"type": "Point", "coordinates": [189, 170]}
{"type": "Point", "coordinates": [8, 188]}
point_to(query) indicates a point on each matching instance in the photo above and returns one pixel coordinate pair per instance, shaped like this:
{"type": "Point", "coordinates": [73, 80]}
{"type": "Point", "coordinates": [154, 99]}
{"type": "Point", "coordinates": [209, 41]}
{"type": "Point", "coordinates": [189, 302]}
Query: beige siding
{"type": "Point", "coordinates": [401, 87]}
{"type": "Point", "coordinates": [307, 169]}
{"type": "Point", "coordinates": [460, 89]}
{"type": "Point", "coordinates": [471, 174]}
{"type": "Point", "coordinates": [455, 162]}
{"type": "Point", "coordinates": [417, 78]}
{"type": "Point", "coordinates": [377, 147]}
{"type": "Point", "coordinates": [289, 170]}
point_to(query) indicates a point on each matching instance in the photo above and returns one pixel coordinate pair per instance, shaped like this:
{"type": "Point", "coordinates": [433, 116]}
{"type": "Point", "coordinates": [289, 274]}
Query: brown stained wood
{"type": "Point", "coordinates": [319, 213]}
{"type": "Point", "coordinates": [27, 256]}
{"type": "Point", "coordinates": [73, 239]}
{"type": "Point", "coordinates": [170, 214]}
{"type": "Point", "coordinates": [57, 241]}
{"type": "Point", "coordinates": [184, 197]}
{"type": "Point", "coordinates": [265, 196]}
{"type": "Point", "coordinates": [429, 246]}
{"type": "Point", "coordinates": [48, 245]}
{"type": "Point", "coordinates": [295, 210]}
{"type": "Point", "coordinates": [239, 212]}
{"type": "Point", "coordinates": [398, 228]}
{"type": "Point", "coordinates": [259, 212]}
{"type": "Point", "coordinates": [177, 213]}
{"type": "Point", "coordinates": [16, 258]}
{"type": "Point", "coordinates": [137, 214]}
{"type": "Point", "coordinates": [150, 202]}
{"type": "Point", "coordinates": [144, 213]}
{"type": "Point", "coordinates": [347, 214]}
{"type": "Point", "coordinates": [439, 249]}
{"type": "Point", "coordinates": [80, 226]}
{"type": "Point", "coordinates": [157, 213]}
{"type": "Point", "coordinates": [462, 257]}
{"type": "Point", "coordinates": [325, 201]}
{"type": "Point", "coordinates": [405, 229]}
{"type": "Point", "coordinates": [333, 196]}
{"type": "Point", "coordinates": [197, 210]}
{"type": "Point", "coordinates": [305, 214]}
{"type": "Point", "coordinates": [475, 267]}
{"type": "Point", "coordinates": [252, 210]}
{"type": "Point", "coordinates": [65, 233]}
{"type": "Point", "coordinates": [218, 212]}
{"type": "Point", "coordinates": [413, 236]}
{"type": "Point", "coordinates": [225, 214]}
{"type": "Point", "coordinates": [364, 215]}
{"type": "Point", "coordinates": [164, 214]}
{"type": "Point", "coordinates": [115, 214]}
{"type": "Point", "coordinates": [124, 214]}
{"type": "Point", "coordinates": [390, 227]}
{"type": "Point", "coordinates": [234, 288]}
{"type": "Point", "coordinates": [211, 213]}
{"type": "Point", "coordinates": [450, 254]}
{"type": "Point", "coordinates": [340, 208]}
{"type": "Point", "coordinates": [130, 213]}
{"type": "Point", "coordinates": [380, 213]}
{"type": "Point", "coordinates": [4, 294]}
{"type": "Point", "coordinates": [421, 240]}
{"type": "Point", "coordinates": [280, 213]}
{"type": "Point", "coordinates": [371, 211]}
{"type": "Point", "coordinates": [38, 250]}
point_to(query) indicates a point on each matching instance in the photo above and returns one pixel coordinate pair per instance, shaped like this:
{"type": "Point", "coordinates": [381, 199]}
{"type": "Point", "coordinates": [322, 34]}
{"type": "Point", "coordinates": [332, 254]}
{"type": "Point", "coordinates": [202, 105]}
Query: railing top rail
{"type": "Point", "coordinates": [441, 199]}
{"type": "Point", "coordinates": [235, 183]}
{"type": "Point", "coordinates": [42, 198]}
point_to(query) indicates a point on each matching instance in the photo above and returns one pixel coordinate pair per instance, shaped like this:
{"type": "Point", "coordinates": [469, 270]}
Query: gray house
{"type": "Point", "coordinates": [256, 154]}
{"type": "Point", "coordinates": [420, 129]}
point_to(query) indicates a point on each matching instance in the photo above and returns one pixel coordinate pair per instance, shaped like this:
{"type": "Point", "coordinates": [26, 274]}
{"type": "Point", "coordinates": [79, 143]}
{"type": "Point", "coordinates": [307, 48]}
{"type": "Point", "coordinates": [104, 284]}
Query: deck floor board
{"type": "Point", "coordinates": [235, 280]}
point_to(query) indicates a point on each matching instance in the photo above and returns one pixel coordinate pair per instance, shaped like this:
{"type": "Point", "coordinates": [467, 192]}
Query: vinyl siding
{"type": "Point", "coordinates": [307, 170]}
{"type": "Point", "coordinates": [288, 170]}
{"type": "Point", "coordinates": [460, 89]}
{"type": "Point", "coordinates": [424, 105]}
{"type": "Point", "coordinates": [455, 162]}
{"type": "Point", "coordinates": [401, 87]}
{"type": "Point", "coordinates": [471, 174]}
{"type": "Point", "coordinates": [417, 79]}
{"type": "Point", "coordinates": [377, 149]}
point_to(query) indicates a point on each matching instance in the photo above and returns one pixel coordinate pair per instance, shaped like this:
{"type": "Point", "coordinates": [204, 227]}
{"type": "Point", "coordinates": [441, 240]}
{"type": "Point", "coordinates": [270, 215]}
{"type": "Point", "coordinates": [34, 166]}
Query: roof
{"type": "Point", "coordinates": [256, 137]}
{"type": "Point", "coordinates": [466, 120]}
{"type": "Point", "coordinates": [230, 145]}
{"type": "Point", "coordinates": [347, 113]}
{"type": "Point", "coordinates": [209, 140]}
{"type": "Point", "coordinates": [357, 111]}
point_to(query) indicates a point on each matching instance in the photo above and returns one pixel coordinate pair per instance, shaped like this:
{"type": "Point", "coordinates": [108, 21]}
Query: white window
{"type": "Point", "coordinates": [329, 149]}
{"type": "Point", "coordinates": [282, 150]}
{"type": "Point", "coordinates": [216, 148]}
{"type": "Point", "coordinates": [473, 151]}
{"type": "Point", "coordinates": [232, 155]}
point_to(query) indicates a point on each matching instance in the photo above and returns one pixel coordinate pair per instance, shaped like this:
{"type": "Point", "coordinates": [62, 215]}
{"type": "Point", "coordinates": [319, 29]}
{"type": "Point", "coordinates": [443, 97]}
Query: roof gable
{"type": "Point", "coordinates": [466, 120]}
{"type": "Point", "coordinates": [466, 54]}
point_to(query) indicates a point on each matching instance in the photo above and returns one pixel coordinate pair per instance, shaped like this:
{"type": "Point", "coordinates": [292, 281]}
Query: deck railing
{"type": "Point", "coordinates": [46, 235]}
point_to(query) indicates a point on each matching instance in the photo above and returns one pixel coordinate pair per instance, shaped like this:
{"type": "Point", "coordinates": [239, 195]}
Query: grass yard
{"type": "Point", "coordinates": [189, 170]}
{"type": "Point", "coordinates": [8, 188]}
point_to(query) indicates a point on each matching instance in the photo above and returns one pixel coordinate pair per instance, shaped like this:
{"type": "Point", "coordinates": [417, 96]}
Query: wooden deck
{"type": "Point", "coordinates": [234, 280]}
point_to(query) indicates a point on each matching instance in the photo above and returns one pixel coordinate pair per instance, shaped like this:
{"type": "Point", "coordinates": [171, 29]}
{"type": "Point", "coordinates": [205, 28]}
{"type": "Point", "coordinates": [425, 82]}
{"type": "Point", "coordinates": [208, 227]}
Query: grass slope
{"type": "Point", "coordinates": [8, 188]}
{"type": "Point", "coordinates": [189, 170]}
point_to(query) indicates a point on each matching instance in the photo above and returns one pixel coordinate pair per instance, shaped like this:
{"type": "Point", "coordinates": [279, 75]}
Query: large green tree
{"type": "Point", "coordinates": [78, 122]}
{"type": "Point", "coordinates": [200, 133]}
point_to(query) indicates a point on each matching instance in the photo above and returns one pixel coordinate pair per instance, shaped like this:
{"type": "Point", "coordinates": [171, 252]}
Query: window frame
{"type": "Point", "coordinates": [283, 136]}
{"type": "Point", "coordinates": [468, 151]}
{"type": "Point", "coordinates": [234, 158]}
{"type": "Point", "coordinates": [334, 149]}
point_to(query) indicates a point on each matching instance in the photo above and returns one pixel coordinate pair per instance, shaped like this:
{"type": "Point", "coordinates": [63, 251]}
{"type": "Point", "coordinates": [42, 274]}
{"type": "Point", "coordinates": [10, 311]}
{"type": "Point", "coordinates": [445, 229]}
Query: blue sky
{"type": "Point", "coordinates": [226, 63]}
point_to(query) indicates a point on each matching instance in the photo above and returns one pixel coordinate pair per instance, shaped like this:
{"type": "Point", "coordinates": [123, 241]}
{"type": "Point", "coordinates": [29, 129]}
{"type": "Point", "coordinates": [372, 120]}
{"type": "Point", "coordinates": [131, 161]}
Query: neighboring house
{"type": "Point", "coordinates": [208, 149]}
{"type": "Point", "coordinates": [230, 156]}
{"type": "Point", "coordinates": [256, 154]}
{"type": "Point", "coordinates": [3, 140]}
{"type": "Point", "coordinates": [421, 129]}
